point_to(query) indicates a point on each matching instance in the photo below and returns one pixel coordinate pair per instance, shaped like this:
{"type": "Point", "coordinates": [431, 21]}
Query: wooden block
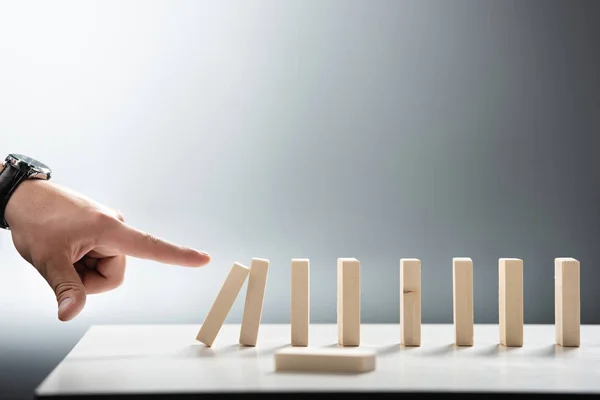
{"type": "Point", "coordinates": [410, 301]}
{"type": "Point", "coordinates": [511, 301]}
{"type": "Point", "coordinates": [222, 304]}
{"type": "Point", "coordinates": [348, 301]}
{"type": "Point", "coordinates": [257, 281]}
{"type": "Point", "coordinates": [462, 285]}
{"type": "Point", "coordinates": [567, 301]}
{"type": "Point", "coordinates": [300, 302]}
{"type": "Point", "coordinates": [350, 360]}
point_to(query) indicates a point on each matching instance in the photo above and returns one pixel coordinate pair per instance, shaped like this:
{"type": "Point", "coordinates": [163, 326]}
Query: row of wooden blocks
{"type": "Point", "coordinates": [510, 296]}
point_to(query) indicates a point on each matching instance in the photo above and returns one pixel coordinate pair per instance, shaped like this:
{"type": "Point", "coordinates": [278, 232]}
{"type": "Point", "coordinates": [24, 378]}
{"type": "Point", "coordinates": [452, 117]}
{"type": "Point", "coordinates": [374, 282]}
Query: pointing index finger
{"type": "Point", "coordinates": [136, 243]}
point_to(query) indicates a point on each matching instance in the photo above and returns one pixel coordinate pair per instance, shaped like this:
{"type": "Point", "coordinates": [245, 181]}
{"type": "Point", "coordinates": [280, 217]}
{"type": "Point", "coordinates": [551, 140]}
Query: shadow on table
{"type": "Point", "coordinates": [391, 349]}
{"type": "Point", "coordinates": [200, 350]}
{"type": "Point", "coordinates": [553, 350]}
{"type": "Point", "coordinates": [440, 350]}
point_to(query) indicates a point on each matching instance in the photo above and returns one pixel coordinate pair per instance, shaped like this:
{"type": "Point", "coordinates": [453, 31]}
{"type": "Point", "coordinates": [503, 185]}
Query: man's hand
{"type": "Point", "coordinates": [78, 245]}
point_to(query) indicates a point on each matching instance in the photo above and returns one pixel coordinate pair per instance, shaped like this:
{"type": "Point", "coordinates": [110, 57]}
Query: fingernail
{"type": "Point", "coordinates": [64, 304]}
{"type": "Point", "coordinates": [203, 253]}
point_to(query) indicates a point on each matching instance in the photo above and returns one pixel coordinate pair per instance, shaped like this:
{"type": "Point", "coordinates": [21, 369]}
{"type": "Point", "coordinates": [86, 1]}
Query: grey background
{"type": "Point", "coordinates": [319, 129]}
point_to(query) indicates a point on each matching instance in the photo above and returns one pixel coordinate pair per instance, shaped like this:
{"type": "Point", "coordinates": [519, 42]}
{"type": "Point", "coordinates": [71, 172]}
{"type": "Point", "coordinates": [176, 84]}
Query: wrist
{"type": "Point", "coordinates": [22, 196]}
{"type": "Point", "coordinates": [19, 170]}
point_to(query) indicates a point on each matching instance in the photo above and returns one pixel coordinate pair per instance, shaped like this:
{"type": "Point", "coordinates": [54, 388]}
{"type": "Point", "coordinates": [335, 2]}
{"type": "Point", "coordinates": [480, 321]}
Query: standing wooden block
{"type": "Point", "coordinates": [567, 301]}
{"type": "Point", "coordinates": [511, 301]}
{"type": "Point", "coordinates": [410, 301]}
{"type": "Point", "coordinates": [222, 304]}
{"type": "Point", "coordinates": [348, 301]}
{"type": "Point", "coordinates": [300, 301]}
{"type": "Point", "coordinates": [257, 281]}
{"type": "Point", "coordinates": [462, 285]}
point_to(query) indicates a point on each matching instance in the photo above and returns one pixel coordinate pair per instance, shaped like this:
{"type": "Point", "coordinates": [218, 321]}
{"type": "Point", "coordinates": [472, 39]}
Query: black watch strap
{"type": "Point", "coordinates": [10, 178]}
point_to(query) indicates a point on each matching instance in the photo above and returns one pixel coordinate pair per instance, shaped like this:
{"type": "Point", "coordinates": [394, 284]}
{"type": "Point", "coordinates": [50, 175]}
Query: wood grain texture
{"type": "Point", "coordinates": [463, 312]}
{"type": "Point", "coordinates": [325, 360]}
{"type": "Point", "coordinates": [257, 282]}
{"type": "Point", "coordinates": [510, 300]}
{"type": "Point", "coordinates": [348, 301]}
{"type": "Point", "coordinates": [567, 301]}
{"type": "Point", "coordinates": [222, 304]}
{"type": "Point", "coordinates": [300, 302]}
{"type": "Point", "coordinates": [410, 302]}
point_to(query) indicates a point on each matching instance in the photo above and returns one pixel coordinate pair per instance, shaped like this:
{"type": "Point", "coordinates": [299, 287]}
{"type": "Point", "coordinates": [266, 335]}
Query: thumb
{"type": "Point", "coordinates": [64, 280]}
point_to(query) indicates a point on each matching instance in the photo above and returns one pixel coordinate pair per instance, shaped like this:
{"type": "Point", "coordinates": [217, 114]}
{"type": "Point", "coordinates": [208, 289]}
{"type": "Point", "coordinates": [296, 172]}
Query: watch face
{"type": "Point", "coordinates": [30, 162]}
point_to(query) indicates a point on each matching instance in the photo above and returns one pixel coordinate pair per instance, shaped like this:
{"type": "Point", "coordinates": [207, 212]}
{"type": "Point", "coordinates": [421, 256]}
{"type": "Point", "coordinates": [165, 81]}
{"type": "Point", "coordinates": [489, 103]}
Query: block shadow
{"type": "Point", "coordinates": [201, 350]}
{"type": "Point", "coordinates": [197, 350]}
{"type": "Point", "coordinates": [544, 352]}
{"type": "Point", "coordinates": [439, 351]}
{"type": "Point", "coordinates": [247, 351]}
{"type": "Point", "coordinates": [488, 351]}
{"type": "Point", "coordinates": [507, 349]}
{"type": "Point", "coordinates": [242, 350]}
{"type": "Point", "coordinates": [553, 350]}
{"type": "Point", "coordinates": [390, 349]}
{"type": "Point", "coordinates": [561, 349]}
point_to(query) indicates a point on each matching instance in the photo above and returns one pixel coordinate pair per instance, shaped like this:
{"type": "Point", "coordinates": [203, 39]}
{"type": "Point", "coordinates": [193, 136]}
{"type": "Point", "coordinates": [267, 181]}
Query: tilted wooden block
{"type": "Point", "coordinates": [222, 304]}
{"type": "Point", "coordinates": [567, 301]}
{"type": "Point", "coordinates": [462, 285]}
{"type": "Point", "coordinates": [410, 301]}
{"type": "Point", "coordinates": [306, 359]}
{"type": "Point", "coordinates": [348, 301]}
{"type": "Point", "coordinates": [511, 301]}
{"type": "Point", "coordinates": [300, 302]}
{"type": "Point", "coordinates": [257, 281]}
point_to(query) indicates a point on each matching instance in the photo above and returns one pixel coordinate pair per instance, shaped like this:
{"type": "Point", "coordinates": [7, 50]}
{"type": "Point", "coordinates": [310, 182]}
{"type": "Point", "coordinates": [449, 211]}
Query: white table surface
{"type": "Point", "coordinates": [166, 359]}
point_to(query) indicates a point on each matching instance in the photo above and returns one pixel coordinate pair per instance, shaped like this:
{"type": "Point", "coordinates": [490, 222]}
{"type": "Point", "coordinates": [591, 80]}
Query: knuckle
{"type": "Point", "coordinates": [120, 216]}
{"type": "Point", "coordinates": [65, 286]}
{"type": "Point", "coordinates": [104, 221]}
{"type": "Point", "coordinates": [118, 277]}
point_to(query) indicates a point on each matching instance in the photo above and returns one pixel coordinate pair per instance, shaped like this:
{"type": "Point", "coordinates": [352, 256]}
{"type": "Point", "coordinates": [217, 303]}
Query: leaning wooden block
{"type": "Point", "coordinates": [567, 302]}
{"type": "Point", "coordinates": [462, 286]}
{"type": "Point", "coordinates": [257, 281]}
{"type": "Point", "coordinates": [300, 302]}
{"type": "Point", "coordinates": [410, 301]}
{"type": "Point", "coordinates": [348, 301]}
{"type": "Point", "coordinates": [222, 304]}
{"type": "Point", "coordinates": [301, 359]}
{"type": "Point", "coordinates": [511, 301]}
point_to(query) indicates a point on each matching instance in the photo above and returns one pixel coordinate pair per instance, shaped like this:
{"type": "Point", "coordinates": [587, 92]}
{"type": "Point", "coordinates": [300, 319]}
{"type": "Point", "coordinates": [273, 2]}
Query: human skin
{"type": "Point", "coordinates": [80, 246]}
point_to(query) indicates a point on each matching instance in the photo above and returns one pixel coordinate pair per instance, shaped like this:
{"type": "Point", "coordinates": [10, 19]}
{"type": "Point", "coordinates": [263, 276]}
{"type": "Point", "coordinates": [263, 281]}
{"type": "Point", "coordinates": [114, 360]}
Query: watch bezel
{"type": "Point", "coordinates": [35, 171]}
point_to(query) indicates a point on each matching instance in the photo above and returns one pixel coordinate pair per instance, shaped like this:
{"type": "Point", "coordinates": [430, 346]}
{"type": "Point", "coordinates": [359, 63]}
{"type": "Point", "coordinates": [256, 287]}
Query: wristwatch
{"type": "Point", "coordinates": [16, 169]}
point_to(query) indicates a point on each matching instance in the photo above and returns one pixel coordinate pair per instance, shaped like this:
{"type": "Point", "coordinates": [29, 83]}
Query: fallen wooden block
{"type": "Point", "coordinates": [510, 301]}
{"type": "Point", "coordinates": [222, 304]}
{"type": "Point", "coordinates": [567, 301]}
{"type": "Point", "coordinates": [306, 359]}
{"type": "Point", "coordinates": [300, 302]}
{"type": "Point", "coordinates": [257, 281]}
{"type": "Point", "coordinates": [410, 301]}
{"type": "Point", "coordinates": [462, 286]}
{"type": "Point", "coordinates": [348, 301]}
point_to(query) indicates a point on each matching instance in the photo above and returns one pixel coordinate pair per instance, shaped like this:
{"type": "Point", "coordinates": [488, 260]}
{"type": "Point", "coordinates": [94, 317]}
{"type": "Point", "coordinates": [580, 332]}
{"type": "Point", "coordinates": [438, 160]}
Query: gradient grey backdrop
{"type": "Point", "coordinates": [319, 129]}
